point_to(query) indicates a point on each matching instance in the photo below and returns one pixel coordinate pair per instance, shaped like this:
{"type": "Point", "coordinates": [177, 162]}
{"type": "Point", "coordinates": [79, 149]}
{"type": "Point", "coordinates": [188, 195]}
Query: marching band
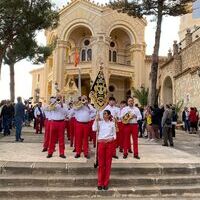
{"type": "Point", "coordinates": [112, 128]}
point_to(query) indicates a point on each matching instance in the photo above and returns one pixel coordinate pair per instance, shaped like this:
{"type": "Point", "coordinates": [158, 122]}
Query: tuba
{"type": "Point", "coordinates": [126, 118]}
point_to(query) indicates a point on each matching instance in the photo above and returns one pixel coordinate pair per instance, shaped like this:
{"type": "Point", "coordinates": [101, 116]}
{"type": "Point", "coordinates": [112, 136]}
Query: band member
{"type": "Point", "coordinates": [47, 113]}
{"type": "Point", "coordinates": [83, 114]}
{"type": "Point", "coordinates": [57, 128]}
{"type": "Point", "coordinates": [114, 114]}
{"type": "Point", "coordinates": [106, 137]}
{"type": "Point", "coordinates": [132, 115]}
{"type": "Point", "coordinates": [120, 138]}
{"type": "Point", "coordinates": [39, 117]}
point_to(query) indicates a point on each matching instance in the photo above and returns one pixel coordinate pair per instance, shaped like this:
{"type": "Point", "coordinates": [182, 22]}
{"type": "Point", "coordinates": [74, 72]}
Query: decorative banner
{"type": "Point", "coordinates": [99, 92]}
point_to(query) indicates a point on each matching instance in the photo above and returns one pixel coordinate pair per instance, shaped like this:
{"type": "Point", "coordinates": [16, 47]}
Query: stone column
{"type": "Point", "coordinates": [100, 53]}
{"type": "Point", "coordinates": [59, 64]}
{"type": "Point", "coordinates": [177, 59]}
{"type": "Point", "coordinates": [138, 64]}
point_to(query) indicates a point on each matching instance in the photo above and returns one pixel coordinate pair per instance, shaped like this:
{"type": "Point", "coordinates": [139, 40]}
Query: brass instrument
{"type": "Point", "coordinates": [126, 118]}
{"type": "Point", "coordinates": [78, 104]}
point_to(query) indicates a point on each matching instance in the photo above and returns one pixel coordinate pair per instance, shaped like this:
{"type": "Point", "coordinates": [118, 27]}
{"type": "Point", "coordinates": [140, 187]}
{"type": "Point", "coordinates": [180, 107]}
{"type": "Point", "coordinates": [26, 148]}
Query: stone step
{"type": "Point", "coordinates": [91, 180]}
{"type": "Point", "coordinates": [91, 192]}
{"type": "Point", "coordinates": [42, 168]}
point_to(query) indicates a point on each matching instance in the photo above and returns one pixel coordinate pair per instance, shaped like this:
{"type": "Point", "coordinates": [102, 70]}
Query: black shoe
{"type": "Point", "coordinates": [130, 151]}
{"type": "Point", "coordinates": [116, 157]}
{"type": "Point", "coordinates": [121, 150]}
{"type": "Point", "coordinates": [44, 150]}
{"type": "Point", "coordinates": [77, 156]}
{"type": "Point", "coordinates": [105, 187]}
{"type": "Point", "coordinates": [87, 156]}
{"type": "Point", "coordinates": [137, 157]}
{"type": "Point", "coordinates": [99, 187]}
{"type": "Point", "coordinates": [171, 145]}
{"type": "Point", "coordinates": [21, 139]}
{"type": "Point", "coordinates": [62, 156]}
{"type": "Point", "coordinates": [49, 155]}
{"type": "Point", "coordinates": [125, 157]}
{"type": "Point", "coordinates": [165, 145]}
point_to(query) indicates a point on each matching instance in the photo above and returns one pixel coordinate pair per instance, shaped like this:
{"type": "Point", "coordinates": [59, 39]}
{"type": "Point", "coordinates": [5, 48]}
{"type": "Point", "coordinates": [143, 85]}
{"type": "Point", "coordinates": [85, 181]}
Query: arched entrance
{"type": "Point", "coordinates": [119, 51]}
{"type": "Point", "coordinates": [80, 39]}
{"type": "Point", "coordinates": [167, 91]}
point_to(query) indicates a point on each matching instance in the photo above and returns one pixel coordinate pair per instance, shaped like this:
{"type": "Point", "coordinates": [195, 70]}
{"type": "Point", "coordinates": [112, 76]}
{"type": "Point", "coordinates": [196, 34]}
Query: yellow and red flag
{"type": "Point", "coordinates": [76, 58]}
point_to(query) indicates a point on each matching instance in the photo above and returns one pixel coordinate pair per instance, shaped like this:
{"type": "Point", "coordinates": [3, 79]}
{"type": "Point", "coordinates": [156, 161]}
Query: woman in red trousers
{"type": "Point", "coordinates": [106, 134]}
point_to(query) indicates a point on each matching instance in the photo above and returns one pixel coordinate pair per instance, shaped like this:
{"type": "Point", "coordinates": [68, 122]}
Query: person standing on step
{"type": "Point", "coordinates": [47, 113]}
{"type": "Point", "coordinates": [19, 117]}
{"type": "Point", "coordinates": [39, 117]}
{"type": "Point", "coordinates": [83, 113]}
{"type": "Point", "coordinates": [167, 126]}
{"type": "Point", "coordinates": [114, 110]}
{"type": "Point", "coordinates": [106, 136]}
{"type": "Point", "coordinates": [131, 127]}
{"type": "Point", "coordinates": [57, 128]}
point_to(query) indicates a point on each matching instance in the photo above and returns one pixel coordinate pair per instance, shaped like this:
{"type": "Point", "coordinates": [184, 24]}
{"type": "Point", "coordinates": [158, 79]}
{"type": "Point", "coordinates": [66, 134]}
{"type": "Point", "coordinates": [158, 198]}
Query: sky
{"type": "Point", "coordinates": [23, 79]}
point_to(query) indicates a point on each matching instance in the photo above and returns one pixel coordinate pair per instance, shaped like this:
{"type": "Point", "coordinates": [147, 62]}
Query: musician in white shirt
{"type": "Point", "coordinates": [83, 116]}
{"type": "Point", "coordinates": [47, 114]}
{"type": "Point", "coordinates": [131, 129]}
{"type": "Point", "coordinates": [106, 134]}
{"type": "Point", "coordinates": [57, 130]}
{"type": "Point", "coordinates": [115, 116]}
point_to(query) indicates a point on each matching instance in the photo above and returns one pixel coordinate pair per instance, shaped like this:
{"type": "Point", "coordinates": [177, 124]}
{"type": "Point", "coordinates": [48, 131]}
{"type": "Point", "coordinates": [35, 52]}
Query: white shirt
{"type": "Point", "coordinates": [113, 109]}
{"type": "Point", "coordinates": [47, 113]}
{"type": "Point", "coordinates": [59, 113]}
{"type": "Point", "coordinates": [107, 130]}
{"type": "Point", "coordinates": [85, 113]}
{"type": "Point", "coordinates": [133, 111]}
{"type": "Point", "coordinates": [37, 112]}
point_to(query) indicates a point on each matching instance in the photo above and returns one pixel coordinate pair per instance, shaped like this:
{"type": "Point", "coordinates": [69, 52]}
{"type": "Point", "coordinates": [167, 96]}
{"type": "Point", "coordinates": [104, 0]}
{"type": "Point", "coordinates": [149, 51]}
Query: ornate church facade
{"type": "Point", "coordinates": [100, 35]}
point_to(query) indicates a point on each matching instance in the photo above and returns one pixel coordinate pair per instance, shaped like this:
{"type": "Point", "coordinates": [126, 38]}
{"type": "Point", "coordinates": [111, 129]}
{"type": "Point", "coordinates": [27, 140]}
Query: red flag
{"type": "Point", "coordinates": [76, 58]}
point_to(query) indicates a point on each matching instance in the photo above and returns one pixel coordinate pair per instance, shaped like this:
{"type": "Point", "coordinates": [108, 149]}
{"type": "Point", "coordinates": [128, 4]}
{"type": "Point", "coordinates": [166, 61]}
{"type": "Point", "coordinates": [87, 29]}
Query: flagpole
{"type": "Point", "coordinates": [79, 80]}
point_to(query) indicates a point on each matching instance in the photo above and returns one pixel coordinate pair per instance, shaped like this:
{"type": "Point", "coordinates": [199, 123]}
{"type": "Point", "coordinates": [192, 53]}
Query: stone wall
{"type": "Point", "coordinates": [185, 84]}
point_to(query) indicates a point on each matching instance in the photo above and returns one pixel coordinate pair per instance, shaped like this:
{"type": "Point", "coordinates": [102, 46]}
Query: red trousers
{"type": "Point", "coordinates": [92, 133]}
{"type": "Point", "coordinates": [67, 126]}
{"type": "Point", "coordinates": [72, 124]}
{"type": "Point", "coordinates": [38, 124]}
{"type": "Point", "coordinates": [82, 132]}
{"type": "Point", "coordinates": [120, 138]}
{"type": "Point", "coordinates": [105, 151]}
{"type": "Point", "coordinates": [57, 133]}
{"type": "Point", "coordinates": [47, 134]}
{"type": "Point", "coordinates": [131, 130]}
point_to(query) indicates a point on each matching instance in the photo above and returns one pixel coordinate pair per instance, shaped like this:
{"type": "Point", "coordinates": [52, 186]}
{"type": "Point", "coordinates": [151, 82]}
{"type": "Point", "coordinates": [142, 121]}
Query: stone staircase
{"type": "Point", "coordinates": [27, 180]}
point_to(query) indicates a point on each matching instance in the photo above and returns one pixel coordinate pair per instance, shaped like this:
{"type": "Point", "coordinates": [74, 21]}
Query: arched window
{"type": "Point", "coordinates": [112, 52]}
{"type": "Point", "coordinates": [83, 56]}
{"type": "Point", "coordinates": [89, 54]}
{"type": "Point", "coordinates": [86, 52]}
{"type": "Point", "coordinates": [110, 55]}
{"type": "Point", "coordinates": [114, 56]}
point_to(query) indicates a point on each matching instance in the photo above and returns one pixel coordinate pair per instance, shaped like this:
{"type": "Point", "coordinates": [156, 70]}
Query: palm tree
{"type": "Point", "coordinates": [141, 95]}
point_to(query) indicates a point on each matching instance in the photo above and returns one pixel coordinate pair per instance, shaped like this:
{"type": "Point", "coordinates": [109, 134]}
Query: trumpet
{"type": "Point", "coordinates": [126, 118]}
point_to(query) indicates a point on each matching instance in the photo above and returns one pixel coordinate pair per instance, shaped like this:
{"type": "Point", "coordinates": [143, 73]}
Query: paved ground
{"type": "Point", "coordinates": [186, 150]}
